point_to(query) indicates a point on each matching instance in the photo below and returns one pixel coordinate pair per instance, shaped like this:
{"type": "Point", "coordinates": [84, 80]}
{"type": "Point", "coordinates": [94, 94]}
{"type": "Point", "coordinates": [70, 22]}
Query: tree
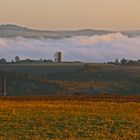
{"type": "Point", "coordinates": [3, 60]}
{"type": "Point", "coordinates": [123, 61]}
{"type": "Point", "coordinates": [17, 58]}
{"type": "Point", "coordinates": [116, 61]}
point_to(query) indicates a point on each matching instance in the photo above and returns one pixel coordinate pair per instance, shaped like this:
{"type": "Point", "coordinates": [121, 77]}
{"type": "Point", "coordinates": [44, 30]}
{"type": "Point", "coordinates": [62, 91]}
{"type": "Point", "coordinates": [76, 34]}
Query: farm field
{"type": "Point", "coordinates": [71, 118]}
{"type": "Point", "coordinates": [41, 69]}
{"type": "Point", "coordinates": [70, 79]}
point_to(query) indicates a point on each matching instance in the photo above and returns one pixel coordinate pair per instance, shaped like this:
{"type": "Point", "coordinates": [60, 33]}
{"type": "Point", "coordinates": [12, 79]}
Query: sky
{"type": "Point", "coordinates": [72, 14]}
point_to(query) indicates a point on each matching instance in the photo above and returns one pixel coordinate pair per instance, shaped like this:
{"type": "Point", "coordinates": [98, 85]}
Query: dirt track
{"type": "Point", "coordinates": [102, 98]}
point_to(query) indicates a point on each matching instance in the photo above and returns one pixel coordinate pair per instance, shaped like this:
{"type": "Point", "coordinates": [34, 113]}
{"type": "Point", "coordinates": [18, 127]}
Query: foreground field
{"type": "Point", "coordinates": [42, 118]}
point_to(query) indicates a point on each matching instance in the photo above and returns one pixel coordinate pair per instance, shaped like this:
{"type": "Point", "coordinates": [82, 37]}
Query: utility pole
{"type": "Point", "coordinates": [4, 86]}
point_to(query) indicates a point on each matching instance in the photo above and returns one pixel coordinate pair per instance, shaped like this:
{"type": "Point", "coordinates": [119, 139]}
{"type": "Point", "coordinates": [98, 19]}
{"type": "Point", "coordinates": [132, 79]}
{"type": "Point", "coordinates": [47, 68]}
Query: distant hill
{"type": "Point", "coordinates": [10, 30]}
{"type": "Point", "coordinates": [132, 33]}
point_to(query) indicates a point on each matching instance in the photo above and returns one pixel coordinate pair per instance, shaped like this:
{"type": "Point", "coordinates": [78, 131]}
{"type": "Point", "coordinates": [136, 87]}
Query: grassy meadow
{"type": "Point", "coordinates": [70, 118]}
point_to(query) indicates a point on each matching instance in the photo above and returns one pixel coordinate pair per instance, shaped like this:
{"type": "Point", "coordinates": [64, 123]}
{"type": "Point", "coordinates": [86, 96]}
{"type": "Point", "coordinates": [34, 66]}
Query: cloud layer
{"type": "Point", "coordinates": [98, 48]}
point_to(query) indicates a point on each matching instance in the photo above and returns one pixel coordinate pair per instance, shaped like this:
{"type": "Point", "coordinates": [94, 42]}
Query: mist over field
{"type": "Point", "coordinates": [97, 48]}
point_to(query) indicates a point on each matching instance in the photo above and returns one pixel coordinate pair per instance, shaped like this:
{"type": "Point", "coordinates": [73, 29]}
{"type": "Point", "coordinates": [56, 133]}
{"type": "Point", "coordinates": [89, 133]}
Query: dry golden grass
{"type": "Point", "coordinates": [69, 119]}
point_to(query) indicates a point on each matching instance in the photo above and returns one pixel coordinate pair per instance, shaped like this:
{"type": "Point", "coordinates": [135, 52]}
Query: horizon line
{"type": "Point", "coordinates": [78, 29]}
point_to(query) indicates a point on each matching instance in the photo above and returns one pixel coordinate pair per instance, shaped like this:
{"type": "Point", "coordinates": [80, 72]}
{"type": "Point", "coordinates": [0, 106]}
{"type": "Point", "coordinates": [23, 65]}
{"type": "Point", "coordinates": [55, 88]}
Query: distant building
{"type": "Point", "coordinates": [58, 57]}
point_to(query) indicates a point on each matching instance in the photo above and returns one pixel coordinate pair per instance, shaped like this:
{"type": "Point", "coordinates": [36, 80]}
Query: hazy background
{"type": "Point", "coordinates": [98, 48]}
{"type": "Point", "coordinates": [72, 14]}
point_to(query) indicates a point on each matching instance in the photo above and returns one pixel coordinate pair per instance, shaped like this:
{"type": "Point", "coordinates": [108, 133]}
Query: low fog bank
{"type": "Point", "coordinates": [98, 48]}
